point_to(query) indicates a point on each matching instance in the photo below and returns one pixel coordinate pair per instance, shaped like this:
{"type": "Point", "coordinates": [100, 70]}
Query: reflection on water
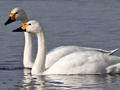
{"type": "Point", "coordinates": [33, 82]}
{"type": "Point", "coordinates": [80, 81]}
{"type": "Point", "coordinates": [69, 82]}
{"type": "Point", "coordinates": [90, 23]}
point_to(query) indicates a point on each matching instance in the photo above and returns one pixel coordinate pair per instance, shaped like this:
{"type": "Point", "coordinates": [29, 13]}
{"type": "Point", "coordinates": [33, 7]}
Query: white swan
{"type": "Point", "coordinates": [28, 58]}
{"type": "Point", "coordinates": [81, 62]}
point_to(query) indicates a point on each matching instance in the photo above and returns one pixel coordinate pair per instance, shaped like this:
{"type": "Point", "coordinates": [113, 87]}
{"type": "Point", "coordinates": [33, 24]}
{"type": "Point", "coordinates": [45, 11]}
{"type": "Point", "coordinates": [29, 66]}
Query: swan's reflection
{"type": "Point", "coordinates": [61, 82]}
{"type": "Point", "coordinates": [33, 82]}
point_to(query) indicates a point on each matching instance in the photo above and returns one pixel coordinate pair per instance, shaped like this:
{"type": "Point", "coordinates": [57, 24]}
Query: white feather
{"type": "Point", "coordinates": [80, 62]}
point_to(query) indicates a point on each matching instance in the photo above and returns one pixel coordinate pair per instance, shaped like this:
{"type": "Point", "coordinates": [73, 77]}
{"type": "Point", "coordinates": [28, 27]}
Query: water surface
{"type": "Point", "coordinates": [89, 23]}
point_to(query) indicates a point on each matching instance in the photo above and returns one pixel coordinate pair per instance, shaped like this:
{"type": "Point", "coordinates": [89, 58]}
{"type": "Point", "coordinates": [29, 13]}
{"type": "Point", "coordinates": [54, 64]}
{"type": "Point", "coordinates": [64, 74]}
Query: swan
{"type": "Point", "coordinates": [28, 57]}
{"type": "Point", "coordinates": [81, 62]}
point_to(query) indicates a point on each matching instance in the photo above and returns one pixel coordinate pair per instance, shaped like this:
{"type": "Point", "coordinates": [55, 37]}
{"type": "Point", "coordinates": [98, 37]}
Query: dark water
{"type": "Point", "coordinates": [89, 23]}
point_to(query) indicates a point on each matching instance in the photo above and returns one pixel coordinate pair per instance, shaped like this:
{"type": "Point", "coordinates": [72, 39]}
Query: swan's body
{"type": "Point", "coordinates": [62, 51]}
{"type": "Point", "coordinates": [28, 57]}
{"type": "Point", "coordinates": [81, 62]}
{"type": "Point", "coordinates": [86, 62]}
{"type": "Point", "coordinates": [114, 68]}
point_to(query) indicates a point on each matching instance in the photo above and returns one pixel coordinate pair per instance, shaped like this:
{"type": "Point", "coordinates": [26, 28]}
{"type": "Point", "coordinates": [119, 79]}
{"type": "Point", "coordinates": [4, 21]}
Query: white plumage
{"type": "Point", "coordinates": [28, 56]}
{"type": "Point", "coordinates": [80, 62]}
{"type": "Point", "coordinates": [62, 51]}
{"type": "Point", "coordinates": [85, 62]}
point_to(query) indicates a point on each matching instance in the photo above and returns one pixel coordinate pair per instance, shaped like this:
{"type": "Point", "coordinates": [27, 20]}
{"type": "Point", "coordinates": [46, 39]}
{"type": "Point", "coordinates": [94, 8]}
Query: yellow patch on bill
{"type": "Point", "coordinates": [12, 15]}
{"type": "Point", "coordinates": [25, 26]}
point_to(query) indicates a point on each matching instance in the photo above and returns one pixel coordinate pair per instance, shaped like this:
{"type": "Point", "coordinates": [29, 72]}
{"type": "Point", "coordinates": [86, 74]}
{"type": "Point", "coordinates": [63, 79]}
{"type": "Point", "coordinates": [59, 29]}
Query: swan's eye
{"type": "Point", "coordinates": [29, 24]}
{"type": "Point", "coordinates": [16, 12]}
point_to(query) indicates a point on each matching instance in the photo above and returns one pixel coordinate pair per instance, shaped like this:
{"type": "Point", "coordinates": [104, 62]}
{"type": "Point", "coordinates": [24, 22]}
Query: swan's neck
{"type": "Point", "coordinates": [24, 20]}
{"type": "Point", "coordinates": [39, 65]}
{"type": "Point", "coordinates": [28, 57]}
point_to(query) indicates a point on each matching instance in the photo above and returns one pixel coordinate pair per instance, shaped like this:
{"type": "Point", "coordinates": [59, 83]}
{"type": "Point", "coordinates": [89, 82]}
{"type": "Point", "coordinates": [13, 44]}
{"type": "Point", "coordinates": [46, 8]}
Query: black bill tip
{"type": "Point", "coordinates": [9, 21]}
{"type": "Point", "coordinates": [19, 30]}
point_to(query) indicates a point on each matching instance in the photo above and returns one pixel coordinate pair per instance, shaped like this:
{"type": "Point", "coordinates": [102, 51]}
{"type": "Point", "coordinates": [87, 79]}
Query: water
{"type": "Point", "coordinates": [90, 23]}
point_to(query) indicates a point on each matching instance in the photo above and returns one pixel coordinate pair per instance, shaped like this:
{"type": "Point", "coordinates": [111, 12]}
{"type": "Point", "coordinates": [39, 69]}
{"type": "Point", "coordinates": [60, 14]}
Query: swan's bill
{"type": "Point", "coordinates": [12, 15]}
{"type": "Point", "coordinates": [21, 29]}
{"type": "Point", "coordinates": [24, 26]}
{"type": "Point", "coordinates": [10, 19]}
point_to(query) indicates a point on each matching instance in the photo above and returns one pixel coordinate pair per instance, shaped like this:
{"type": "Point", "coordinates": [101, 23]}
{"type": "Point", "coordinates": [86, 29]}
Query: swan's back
{"type": "Point", "coordinates": [87, 62]}
{"type": "Point", "coordinates": [57, 53]}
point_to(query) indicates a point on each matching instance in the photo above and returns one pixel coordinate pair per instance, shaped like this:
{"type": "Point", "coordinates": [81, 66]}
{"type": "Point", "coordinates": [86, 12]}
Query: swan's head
{"type": "Point", "coordinates": [16, 14]}
{"type": "Point", "coordinates": [31, 27]}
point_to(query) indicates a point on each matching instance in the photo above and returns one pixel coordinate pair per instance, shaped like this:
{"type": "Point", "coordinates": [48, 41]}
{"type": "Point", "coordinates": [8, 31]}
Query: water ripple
{"type": "Point", "coordinates": [10, 68]}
